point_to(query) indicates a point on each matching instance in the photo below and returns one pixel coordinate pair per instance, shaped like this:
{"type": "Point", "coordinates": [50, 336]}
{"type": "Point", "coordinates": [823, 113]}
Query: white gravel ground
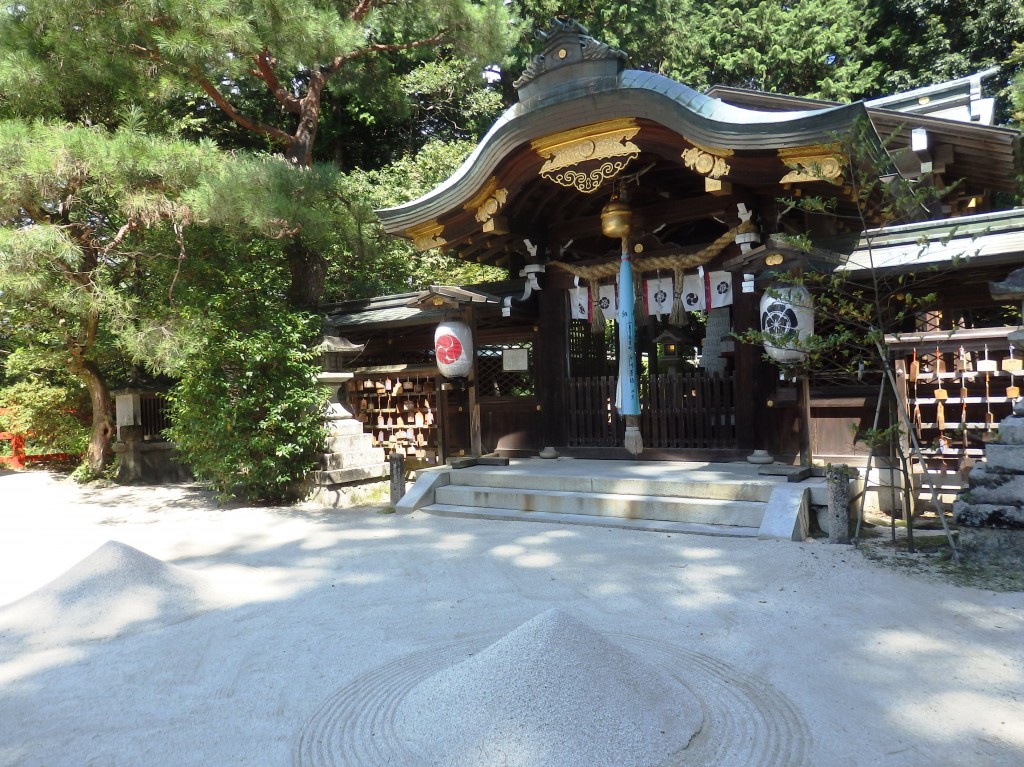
{"type": "Point", "coordinates": [251, 621]}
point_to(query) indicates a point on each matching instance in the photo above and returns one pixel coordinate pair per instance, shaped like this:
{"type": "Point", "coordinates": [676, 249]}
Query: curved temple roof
{"type": "Point", "coordinates": [577, 82]}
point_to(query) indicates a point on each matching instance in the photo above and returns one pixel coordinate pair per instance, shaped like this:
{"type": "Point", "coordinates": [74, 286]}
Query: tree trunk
{"type": "Point", "coordinates": [299, 151]}
{"type": "Point", "coordinates": [103, 428]}
{"type": "Point", "coordinates": [308, 275]}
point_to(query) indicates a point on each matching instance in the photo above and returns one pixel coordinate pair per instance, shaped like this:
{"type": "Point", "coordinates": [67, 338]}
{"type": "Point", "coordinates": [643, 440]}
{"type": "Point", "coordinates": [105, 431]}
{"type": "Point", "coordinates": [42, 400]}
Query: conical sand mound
{"type": "Point", "coordinates": [552, 692]}
{"type": "Point", "coordinates": [115, 590]}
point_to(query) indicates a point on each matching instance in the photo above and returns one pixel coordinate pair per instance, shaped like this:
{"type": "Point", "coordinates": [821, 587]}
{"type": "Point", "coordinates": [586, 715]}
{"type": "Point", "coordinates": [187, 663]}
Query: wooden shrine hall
{"type": "Point", "coordinates": [597, 165]}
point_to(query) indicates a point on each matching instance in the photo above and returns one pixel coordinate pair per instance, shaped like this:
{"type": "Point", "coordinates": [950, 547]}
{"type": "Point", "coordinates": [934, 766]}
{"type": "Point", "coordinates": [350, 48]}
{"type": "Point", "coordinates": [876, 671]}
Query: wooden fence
{"type": "Point", "coordinates": [692, 411]}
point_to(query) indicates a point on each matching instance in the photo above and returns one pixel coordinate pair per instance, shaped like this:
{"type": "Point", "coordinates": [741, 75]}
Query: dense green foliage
{"type": "Point", "coordinates": [833, 49]}
{"type": "Point", "coordinates": [43, 411]}
{"type": "Point", "coordinates": [247, 413]}
{"type": "Point", "coordinates": [815, 48]}
{"type": "Point", "coordinates": [921, 42]}
{"type": "Point", "coordinates": [266, 65]}
{"type": "Point", "coordinates": [77, 205]}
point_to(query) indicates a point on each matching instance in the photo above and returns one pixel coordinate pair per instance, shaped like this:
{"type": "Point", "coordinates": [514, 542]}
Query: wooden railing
{"type": "Point", "coordinates": [690, 411]}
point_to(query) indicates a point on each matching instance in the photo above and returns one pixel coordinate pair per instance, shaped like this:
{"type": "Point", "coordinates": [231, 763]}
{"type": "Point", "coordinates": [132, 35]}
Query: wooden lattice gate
{"type": "Point", "coordinates": [690, 411]}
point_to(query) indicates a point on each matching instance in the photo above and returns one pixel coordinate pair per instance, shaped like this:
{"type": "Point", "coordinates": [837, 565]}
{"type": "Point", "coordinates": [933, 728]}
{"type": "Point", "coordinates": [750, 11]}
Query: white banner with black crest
{"type": "Point", "coordinates": [606, 300]}
{"type": "Point", "coordinates": [659, 296]}
{"type": "Point", "coordinates": [579, 301]}
{"type": "Point", "coordinates": [693, 293]}
{"type": "Point", "coordinates": [719, 288]}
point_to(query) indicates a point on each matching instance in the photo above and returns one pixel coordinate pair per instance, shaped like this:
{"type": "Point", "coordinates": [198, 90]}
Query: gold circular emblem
{"type": "Point", "coordinates": [562, 54]}
{"type": "Point", "coordinates": [773, 259]}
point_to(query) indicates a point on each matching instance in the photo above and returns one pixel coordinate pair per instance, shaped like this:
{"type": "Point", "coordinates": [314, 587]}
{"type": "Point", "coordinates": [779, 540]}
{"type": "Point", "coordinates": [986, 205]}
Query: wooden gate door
{"type": "Point", "coordinates": [690, 411]}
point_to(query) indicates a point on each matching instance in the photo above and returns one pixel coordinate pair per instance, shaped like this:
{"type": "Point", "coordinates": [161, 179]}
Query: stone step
{"type": "Point", "coordinates": [741, 490]}
{"type": "Point", "coordinates": [648, 525]}
{"type": "Point", "coordinates": [622, 505]}
{"type": "Point", "coordinates": [354, 474]}
{"type": "Point", "coordinates": [344, 426]}
{"type": "Point", "coordinates": [348, 443]}
{"type": "Point", "coordinates": [349, 460]}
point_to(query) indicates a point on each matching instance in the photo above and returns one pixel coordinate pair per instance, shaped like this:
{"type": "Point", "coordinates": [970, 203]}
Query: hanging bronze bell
{"type": "Point", "coordinates": [616, 218]}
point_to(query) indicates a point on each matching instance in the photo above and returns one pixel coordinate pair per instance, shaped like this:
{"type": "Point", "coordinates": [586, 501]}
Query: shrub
{"type": "Point", "coordinates": [247, 414]}
{"type": "Point", "coordinates": [47, 413]}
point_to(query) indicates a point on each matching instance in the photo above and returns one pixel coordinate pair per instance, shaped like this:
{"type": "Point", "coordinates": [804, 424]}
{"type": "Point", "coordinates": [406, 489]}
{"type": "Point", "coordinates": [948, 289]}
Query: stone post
{"type": "Point", "coordinates": [397, 459]}
{"type": "Point", "coordinates": [129, 469]}
{"type": "Point", "coordinates": [837, 479]}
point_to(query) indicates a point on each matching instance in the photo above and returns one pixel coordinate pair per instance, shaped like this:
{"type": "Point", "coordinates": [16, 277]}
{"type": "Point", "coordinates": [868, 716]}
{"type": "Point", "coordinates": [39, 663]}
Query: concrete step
{"type": "Point", "coordinates": [331, 461]}
{"type": "Point", "coordinates": [622, 505]}
{"type": "Point", "coordinates": [648, 525]}
{"type": "Point", "coordinates": [752, 490]}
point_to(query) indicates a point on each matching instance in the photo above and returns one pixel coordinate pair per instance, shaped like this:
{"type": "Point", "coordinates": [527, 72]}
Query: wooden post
{"type": "Point", "coordinates": [551, 361]}
{"type": "Point", "coordinates": [806, 442]}
{"type": "Point", "coordinates": [475, 436]}
{"type": "Point", "coordinates": [17, 457]}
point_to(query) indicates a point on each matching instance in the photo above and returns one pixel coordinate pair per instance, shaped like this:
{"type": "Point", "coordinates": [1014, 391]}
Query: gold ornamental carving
{"type": "Point", "coordinates": [817, 163]}
{"type": "Point", "coordinates": [426, 236]}
{"type": "Point", "coordinates": [487, 202]}
{"type": "Point", "coordinates": [570, 156]}
{"type": "Point", "coordinates": [705, 163]}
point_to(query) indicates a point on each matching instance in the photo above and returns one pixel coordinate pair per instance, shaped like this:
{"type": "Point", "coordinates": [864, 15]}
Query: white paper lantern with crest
{"type": "Point", "coordinates": [787, 315]}
{"type": "Point", "coordinates": [453, 348]}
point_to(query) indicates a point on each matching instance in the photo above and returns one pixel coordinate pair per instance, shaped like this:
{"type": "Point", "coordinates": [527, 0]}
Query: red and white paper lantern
{"type": "Point", "coordinates": [453, 348]}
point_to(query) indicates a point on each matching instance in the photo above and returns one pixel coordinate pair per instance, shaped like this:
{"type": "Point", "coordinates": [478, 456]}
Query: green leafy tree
{"type": "Point", "coordinates": [814, 48]}
{"type": "Point", "coordinates": [46, 413]}
{"type": "Point", "coordinates": [76, 205]}
{"type": "Point", "coordinates": [921, 42]}
{"type": "Point", "coordinates": [289, 53]}
{"type": "Point", "coordinates": [374, 263]}
{"type": "Point", "coordinates": [247, 414]}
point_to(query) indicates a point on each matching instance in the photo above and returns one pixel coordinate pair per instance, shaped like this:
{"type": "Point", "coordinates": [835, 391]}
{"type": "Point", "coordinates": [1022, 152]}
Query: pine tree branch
{"type": "Point", "coordinates": [345, 58]}
{"type": "Point", "coordinates": [265, 66]}
{"type": "Point", "coordinates": [246, 122]}
{"type": "Point", "coordinates": [123, 232]}
{"type": "Point", "coordinates": [362, 9]}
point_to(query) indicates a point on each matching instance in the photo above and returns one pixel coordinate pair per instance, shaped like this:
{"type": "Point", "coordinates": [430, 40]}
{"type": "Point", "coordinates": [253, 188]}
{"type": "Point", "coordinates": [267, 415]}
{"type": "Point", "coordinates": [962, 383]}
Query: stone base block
{"type": "Point", "coordinates": [350, 460]}
{"type": "Point", "coordinates": [970, 514]}
{"type": "Point", "coordinates": [1007, 458]}
{"type": "Point", "coordinates": [1011, 430]}
{"type": "Point", "coordinates": [370, 492]}
{"type": "Point", "coordinates": [344, 426]}
{"type": "Point", "coordinates": [985, 545]}
{"type": "Point", "coordinates": [348, 443]}
{"type": "Point", "coordinates": [355, 474]}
